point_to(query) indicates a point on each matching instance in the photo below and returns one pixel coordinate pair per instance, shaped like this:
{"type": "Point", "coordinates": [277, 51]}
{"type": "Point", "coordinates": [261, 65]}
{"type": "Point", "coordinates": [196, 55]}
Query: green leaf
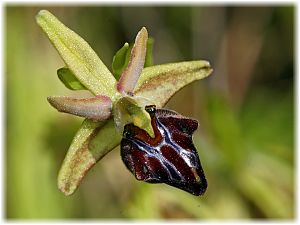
{"type": "Point", "coordinates": [92, 142]}
{"type": "Point", "coordinates": [78, 56]}
{"type": "Point", "coordinates": [159, 83]}
{"type": "Point", "coordinates": [69, 79]}
{"type": "Point", "coordinates": [121, 58]}
{"type": "Point", "coordinates": [149, 58]}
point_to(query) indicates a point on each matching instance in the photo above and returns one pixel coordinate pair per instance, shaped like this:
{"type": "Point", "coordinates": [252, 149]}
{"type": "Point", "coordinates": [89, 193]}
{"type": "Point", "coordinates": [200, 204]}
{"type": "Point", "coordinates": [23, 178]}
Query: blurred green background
{"type": "Point", "coordinates": [245, 109]}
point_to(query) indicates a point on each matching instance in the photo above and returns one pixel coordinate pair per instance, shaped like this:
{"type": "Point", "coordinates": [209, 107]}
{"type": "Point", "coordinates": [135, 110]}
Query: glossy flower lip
{"type": "Point", "coordinates": [84, 69]}
{"type": "Point", "coordinates": [170, 157]}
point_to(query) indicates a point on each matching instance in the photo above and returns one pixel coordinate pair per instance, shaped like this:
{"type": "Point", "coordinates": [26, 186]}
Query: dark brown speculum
{"type": "Point", "coordinates": [170, 157]}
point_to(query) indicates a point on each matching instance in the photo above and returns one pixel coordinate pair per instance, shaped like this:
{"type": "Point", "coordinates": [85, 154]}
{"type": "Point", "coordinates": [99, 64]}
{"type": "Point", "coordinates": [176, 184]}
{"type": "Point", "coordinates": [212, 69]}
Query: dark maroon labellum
{"type": "Point", "coordinates": [170, 157]}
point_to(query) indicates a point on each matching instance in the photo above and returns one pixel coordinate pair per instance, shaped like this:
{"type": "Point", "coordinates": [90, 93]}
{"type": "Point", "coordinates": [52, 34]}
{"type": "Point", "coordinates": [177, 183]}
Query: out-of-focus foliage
{"type": "Point", "coordinates": [245, 109]}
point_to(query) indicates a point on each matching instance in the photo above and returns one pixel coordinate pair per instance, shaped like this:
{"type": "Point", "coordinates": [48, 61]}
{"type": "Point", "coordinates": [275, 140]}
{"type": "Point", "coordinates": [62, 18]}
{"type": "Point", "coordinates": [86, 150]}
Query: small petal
{"type": "Point", "coordinates": [132, 73]}
{"type": "Point", "coordinates": [97, 108]}
{"type": "Point", "coordinates": [149, 58]}
{"type": "Point", "coordinates": [122, 57]}
{"type": "Point", "coordinates": [69, 79]}
{"type": "Point", "coordinates": [120, 61]}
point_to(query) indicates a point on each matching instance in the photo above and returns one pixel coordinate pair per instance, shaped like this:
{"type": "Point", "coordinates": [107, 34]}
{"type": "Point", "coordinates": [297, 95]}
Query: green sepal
{"type": "Point", "coordinates": [79, 57]}
{"type": "Point", "coordinates": [69, 80]}
{"type": "Point", "coordinates": [160, 82]}
{"type": "Point", "coordinates": [91, 143]}
{"type": "Point", "coordinates": [132, 110]}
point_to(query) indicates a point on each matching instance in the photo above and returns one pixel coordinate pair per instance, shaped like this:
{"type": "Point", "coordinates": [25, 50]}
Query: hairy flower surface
{"type": "Point", "coordinates": [156, 144]}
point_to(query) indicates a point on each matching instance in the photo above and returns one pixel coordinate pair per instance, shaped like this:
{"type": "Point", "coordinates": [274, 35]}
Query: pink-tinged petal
{"type": "Point", "coordinates": [97, 108]}
{"type": "Point", "coordinates": [131, 74]}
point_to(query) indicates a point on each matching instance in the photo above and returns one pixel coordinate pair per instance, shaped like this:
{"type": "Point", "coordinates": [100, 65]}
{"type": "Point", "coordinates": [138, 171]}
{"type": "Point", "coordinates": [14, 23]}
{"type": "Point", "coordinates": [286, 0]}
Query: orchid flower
{"type": "Point", "coordinates": [156, 143]}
